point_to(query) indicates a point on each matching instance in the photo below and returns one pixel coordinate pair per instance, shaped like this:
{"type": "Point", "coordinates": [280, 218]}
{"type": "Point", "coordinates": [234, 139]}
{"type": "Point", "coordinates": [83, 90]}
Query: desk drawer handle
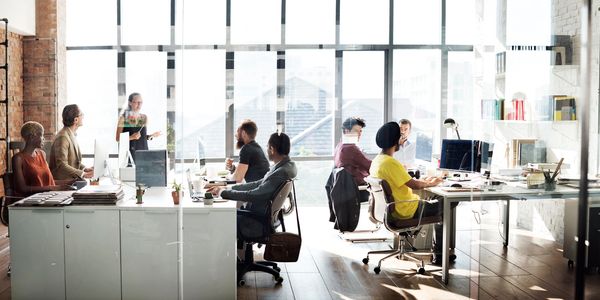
{"type": "Point", "coordinates": [82, 211]}
{"type": "Point", "coordinates": [156, 212]}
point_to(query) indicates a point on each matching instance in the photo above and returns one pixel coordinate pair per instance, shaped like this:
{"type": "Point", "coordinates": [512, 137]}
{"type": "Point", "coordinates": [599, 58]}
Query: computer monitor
{"type": "Point", "coordinates": [464, 155]}
{"type": "Point", "coordinates": [151, 167]}
{"type": "Point", "coordinates": [100, 159]}
{"type": "Point", "coordinates": [487, 151]}
{"type": "Point", "coordinates": [124, 155]}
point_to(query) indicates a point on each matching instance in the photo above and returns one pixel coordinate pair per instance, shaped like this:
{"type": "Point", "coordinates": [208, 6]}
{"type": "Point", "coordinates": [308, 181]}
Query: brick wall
{"type": "Point", "coordinates": [44, 65]}
{"type": "Point", "coordinates": [15, 93]}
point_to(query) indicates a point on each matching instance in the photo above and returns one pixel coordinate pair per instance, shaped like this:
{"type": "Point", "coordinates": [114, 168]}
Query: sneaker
{"type": "Point", "coordinates": [437, 259]}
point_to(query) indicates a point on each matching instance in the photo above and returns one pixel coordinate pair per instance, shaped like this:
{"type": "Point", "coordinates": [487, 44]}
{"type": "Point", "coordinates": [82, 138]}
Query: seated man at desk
{"type": "Point", "coordinates": [258, 193]}
{"type": "Point", "coordinates": [253, 164]}
{"type": "Point", "coordinates": [384, 166]}
{"type": "Point", "coordinates": [348, 155]}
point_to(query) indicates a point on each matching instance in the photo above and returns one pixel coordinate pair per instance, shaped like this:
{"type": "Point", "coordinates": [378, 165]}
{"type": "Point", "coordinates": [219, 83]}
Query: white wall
{"type": "Point", "coordinates": [20, 15]}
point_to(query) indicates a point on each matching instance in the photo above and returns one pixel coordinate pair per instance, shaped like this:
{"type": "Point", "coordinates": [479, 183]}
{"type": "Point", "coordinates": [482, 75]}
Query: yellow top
{"type": "Point", "coordinates": [386, 167]}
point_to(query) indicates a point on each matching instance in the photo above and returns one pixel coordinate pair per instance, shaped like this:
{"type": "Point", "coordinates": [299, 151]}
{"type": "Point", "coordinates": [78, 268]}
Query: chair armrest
{"type": "Point", "coordinates": [363, 187]}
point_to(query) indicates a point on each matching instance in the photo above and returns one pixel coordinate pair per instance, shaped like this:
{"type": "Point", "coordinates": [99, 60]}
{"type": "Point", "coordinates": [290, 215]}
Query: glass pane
{"type": "Point", "coordinates": [417, 96]}
{"type": "Point", "coordinates": [255, 86]}
{"type": "Point", "coordinates": [147, 75]}
{"type": "Point", "coordinates": [364, 22]}
{"type": "Point", "coordinates": [535, 16]}
{"type": "Point", "coordinates": [460, 21]}
{"type": "Point", "coordinates": [256, 22]}
{"type": "Point", "coordinates": [461, 105]}
{"type": "Point", "coordinates": [85, 16]}
{"type": "Point", "coordinates": [312, 174]}
{"type": "Point", "coordinates": [310, 22]}
{"type": "Point", "coordinates": [145, 22]}
{"type": "Point", "coordinates": [94, 70]}
{"type": "Point", "coordinates": [200, 22]}
{"type": "Point", "coordinates": [424, 15]}
{"type": "Point", "coordinates": [309, 93]}
{"type": "Point", "coordinates": [200, 88]}
{"type": "Point", "coordinates": [362, 93]}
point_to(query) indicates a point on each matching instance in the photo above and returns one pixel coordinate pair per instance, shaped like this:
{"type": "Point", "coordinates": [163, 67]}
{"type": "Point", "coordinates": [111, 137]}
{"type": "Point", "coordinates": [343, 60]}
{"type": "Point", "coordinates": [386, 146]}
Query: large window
{"type": "Point", "coordinates": [92, 78]}
{"type": "Point", "coordinates": [364, 22]}
{"type": "Point", "coordinates": [200, 22]}
{"type": "Point", "coordinates": [417, 95]}
{"type": "Point", "coordinates": [255, 92]}
{"type": "Point", "coordinates": [85, 16]}
{"type": "Point", "coordinates": [309, 93]}
{"type": "Point", "coordinates": [262, 26]}
{"type": "Point", "coordinates": [424, 15]}
{"type": "Point", "coordinates": [200, 83]}
{"type": "Point", "coordinates": [145, 22]}
{"type": "Point", "coordinates": [363, 93]}
{"type": "Point", "coordinates": [310, 22]}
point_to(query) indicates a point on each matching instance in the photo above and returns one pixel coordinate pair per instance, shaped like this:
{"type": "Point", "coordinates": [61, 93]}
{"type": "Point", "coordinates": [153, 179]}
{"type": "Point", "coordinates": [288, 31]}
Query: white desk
{"type": "Point", "coordinates": [155, 250]}
{"type": "Point", "coordinates": [507, 193]}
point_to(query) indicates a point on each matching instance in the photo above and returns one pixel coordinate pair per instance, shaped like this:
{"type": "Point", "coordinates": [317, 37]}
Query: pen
{"type": "Point", "coordinates": [557, 169]}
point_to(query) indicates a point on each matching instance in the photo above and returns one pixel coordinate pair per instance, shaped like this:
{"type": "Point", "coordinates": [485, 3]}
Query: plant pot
{"type": "Point", "coordinates": [175, 196]}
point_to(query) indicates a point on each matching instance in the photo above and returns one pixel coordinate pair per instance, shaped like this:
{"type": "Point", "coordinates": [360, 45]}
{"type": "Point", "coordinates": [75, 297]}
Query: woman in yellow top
{"type": "Point", "coordinates": [384, 166]}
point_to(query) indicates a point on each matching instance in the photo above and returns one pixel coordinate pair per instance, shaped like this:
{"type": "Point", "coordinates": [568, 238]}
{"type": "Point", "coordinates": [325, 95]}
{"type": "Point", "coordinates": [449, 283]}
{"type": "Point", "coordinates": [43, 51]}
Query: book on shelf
{"type": "Point", "coordinates": [517, 110]}
{"type": "Point", "coordinates": [524, 151]}
{"type": "Point", "coordinates": [564, 108]}
{"type": "Point", "coordinates": [492, 109]}
{"type": "Point", "coordinates": [543, 109]}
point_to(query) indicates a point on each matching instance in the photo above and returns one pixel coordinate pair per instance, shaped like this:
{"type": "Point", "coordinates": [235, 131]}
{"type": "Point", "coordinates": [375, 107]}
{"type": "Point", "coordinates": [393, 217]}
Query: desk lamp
{"type": "Point", "coordinates": [450, 123]}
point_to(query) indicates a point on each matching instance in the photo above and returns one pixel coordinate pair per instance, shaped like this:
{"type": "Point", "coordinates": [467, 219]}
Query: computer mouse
{"type": "Point", "coordinates": [456, 185]}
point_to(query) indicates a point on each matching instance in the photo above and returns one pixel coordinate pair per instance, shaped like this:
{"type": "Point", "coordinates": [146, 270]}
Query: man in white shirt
{"type": "Point", "coordinates": [408, 150]}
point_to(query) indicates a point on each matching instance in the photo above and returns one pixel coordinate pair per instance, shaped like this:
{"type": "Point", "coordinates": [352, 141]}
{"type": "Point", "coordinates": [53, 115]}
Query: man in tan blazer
{"type": "Point", "coordinates": [65, 155]}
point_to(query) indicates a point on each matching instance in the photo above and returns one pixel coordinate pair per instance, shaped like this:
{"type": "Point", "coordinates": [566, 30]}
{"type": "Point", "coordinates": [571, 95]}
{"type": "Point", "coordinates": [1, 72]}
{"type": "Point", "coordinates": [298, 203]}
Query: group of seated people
{"type": "Point", "coordinates": [33, 173]}
{"type": "Point", "coordinates": [397, 152]}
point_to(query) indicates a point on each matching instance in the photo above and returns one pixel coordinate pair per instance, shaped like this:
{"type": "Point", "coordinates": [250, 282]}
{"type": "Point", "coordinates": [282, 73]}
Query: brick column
{"type": "Point", "coordinates": [44, 67]}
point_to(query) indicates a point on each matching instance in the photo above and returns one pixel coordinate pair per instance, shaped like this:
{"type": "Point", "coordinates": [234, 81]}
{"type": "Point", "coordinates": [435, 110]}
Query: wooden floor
{"type": "Point", "coordinates": [331, 268]}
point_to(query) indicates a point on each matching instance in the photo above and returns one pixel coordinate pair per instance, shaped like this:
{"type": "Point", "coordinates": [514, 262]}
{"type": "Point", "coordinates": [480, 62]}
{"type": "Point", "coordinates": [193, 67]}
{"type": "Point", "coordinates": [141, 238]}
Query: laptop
{"type": "Point", "coordinates": [194, 195]}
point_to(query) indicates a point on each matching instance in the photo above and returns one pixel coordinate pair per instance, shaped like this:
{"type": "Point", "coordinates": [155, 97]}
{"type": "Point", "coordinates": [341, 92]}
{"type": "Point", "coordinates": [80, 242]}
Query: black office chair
{"type": "Point", "coordinates": [383, 207]}
{"type": "Point", "coordinates": [8, 183]}
{"type": "Point", "coordinates": [254, 228]}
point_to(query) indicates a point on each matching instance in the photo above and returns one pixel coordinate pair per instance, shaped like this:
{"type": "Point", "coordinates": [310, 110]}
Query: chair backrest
{"type": "Point", "coordinates": [279, 200]}
{"type": "Point", "coordinates": [381, 195]}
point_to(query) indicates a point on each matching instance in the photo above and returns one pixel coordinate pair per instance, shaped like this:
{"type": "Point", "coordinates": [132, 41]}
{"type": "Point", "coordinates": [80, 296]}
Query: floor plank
{"type": "Point", "coordinates": [308, 286]}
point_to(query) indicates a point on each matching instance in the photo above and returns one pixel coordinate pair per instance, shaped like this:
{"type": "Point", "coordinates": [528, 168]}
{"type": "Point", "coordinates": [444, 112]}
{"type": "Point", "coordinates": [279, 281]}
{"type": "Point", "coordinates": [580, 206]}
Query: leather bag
{"type": "Point", "coordinates": [285, 246]}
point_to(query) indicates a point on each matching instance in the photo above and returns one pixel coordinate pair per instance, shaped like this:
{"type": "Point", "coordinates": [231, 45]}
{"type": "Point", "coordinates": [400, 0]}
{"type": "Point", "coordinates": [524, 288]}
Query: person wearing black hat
{"type": "Point", "coordinates": [384, 166]}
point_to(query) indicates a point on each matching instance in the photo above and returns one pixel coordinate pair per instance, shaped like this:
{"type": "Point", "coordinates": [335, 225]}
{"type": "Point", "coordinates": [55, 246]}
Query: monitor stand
{"type": "Point", "coordinates": [127, 173]}
{"type": "Point", "coordinates": [108, 173]}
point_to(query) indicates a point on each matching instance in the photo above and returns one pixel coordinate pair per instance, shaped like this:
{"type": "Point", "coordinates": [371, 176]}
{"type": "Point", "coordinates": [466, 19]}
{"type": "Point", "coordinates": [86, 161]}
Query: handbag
{"type": "Point", "coordinates": [285, 246]}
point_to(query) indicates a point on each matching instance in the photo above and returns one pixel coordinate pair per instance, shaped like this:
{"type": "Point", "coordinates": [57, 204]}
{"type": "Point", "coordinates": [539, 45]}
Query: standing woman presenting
{"type": "Point", "coordinates": [135, 123]}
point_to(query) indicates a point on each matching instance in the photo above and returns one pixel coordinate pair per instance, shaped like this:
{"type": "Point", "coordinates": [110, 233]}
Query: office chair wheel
{"type": "Point", "coordinates": [366, 260]}
{"type": "Point", "coordinates": [570, 264]}
{"type": "Point", "coordinates": [279, 279]}
{"type": "Point", "coordinates": [421, 270]}
{"type": "Point", "coordinates": [377, 270]}
{"type": "Point", "coordinates": [242, 282]}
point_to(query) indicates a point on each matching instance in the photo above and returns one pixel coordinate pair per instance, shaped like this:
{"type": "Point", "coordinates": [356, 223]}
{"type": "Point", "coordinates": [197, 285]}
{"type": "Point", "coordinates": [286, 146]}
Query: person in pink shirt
{"type": "Point", "coordinates": [348, 155]}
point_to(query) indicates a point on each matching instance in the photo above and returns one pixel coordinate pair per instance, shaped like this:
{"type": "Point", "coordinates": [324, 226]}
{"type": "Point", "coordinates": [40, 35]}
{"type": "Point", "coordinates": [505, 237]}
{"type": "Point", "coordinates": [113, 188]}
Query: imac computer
{"type": "Point", "coordinates": [101, 168]}
{"type": "Point", "coordinates": [466, 155]}
{"type": "Point", "coordinates": [126, 164]}
{"type": "Point", "coordinates": [151, 167]}
{"type": "Point", "coordinates": [124, 155]}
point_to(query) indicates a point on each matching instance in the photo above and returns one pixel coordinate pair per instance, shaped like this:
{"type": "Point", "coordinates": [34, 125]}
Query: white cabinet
{"type": "Point", "coordinates": [92, 253]}
{"type": "Point", "coordinates": [149, 251]}
{"type": "Point", "coordinates": [37, 254]}
{"type": "Point", "coordinates": [209, 272]}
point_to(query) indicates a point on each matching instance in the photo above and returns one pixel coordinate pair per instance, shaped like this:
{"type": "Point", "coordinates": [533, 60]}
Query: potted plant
{"type": "Point", "coordinates": [176, 193]}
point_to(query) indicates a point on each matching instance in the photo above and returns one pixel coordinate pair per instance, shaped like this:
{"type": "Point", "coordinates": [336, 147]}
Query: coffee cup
{"type": "Point", "coordinates": [208, 198]}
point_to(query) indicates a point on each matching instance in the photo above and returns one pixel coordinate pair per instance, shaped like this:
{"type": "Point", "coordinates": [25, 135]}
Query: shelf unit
{"type": "Point", "coordinates": [4, 101]}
